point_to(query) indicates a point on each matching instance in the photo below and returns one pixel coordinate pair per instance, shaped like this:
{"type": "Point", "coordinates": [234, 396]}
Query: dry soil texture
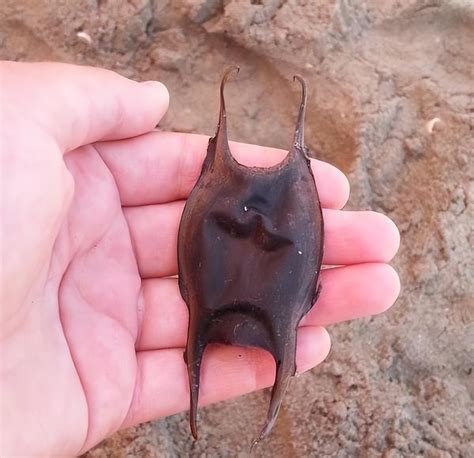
{"type": "Point", "coordinates": [379, 71]}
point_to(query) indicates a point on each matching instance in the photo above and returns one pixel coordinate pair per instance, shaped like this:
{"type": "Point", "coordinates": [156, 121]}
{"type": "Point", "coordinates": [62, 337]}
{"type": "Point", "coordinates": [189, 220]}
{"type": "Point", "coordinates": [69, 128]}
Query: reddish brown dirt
{"type": "Point", "coordinates": [400, 384]}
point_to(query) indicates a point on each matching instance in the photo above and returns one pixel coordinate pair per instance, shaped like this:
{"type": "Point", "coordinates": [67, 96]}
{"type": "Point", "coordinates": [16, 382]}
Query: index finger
{"type": "Point", "coordinates": [161, 167]}
{"type": "Point", "coordinates": [78, 105]}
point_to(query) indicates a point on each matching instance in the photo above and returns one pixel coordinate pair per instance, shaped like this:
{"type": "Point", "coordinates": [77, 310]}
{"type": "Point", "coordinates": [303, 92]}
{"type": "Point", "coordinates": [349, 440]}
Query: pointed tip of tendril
{"type": "Point", "coordinates": [194, 431]}
{"type": "Point", "coordinates": [229, 71]}
{"type": "Point", "coordinates": [299, 133]}
{"type": "Point", "coordinates": [226, 76]}
{"type": "Point", "coordinates": [300, 80]}
{"type": "Point", "coordinates": [254, 444]}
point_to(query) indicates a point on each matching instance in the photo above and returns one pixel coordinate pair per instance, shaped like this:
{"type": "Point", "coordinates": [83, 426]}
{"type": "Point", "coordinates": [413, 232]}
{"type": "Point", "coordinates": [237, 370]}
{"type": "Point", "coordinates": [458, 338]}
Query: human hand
{"type": "Point", "coordinates": [92, 325]}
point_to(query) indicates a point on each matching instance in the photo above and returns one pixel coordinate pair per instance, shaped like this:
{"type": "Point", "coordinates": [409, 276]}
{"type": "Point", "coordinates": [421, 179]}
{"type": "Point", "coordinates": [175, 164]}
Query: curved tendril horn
{"type": "Point", "coordinates": [253, 445]}
{"type": "Point", "coordinates": [299, 132]}
{"type": "Point", "coordinates": [226, 76]}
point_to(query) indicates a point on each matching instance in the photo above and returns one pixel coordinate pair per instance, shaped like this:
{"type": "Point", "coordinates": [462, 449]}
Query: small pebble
{"type": "Point", "coordinates": [431, 123]}
{"type": "Point", "coordinates": [84, 37]}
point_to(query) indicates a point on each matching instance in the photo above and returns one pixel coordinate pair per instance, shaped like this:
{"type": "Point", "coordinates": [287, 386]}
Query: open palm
{"type": "Point", "coordinates": [93, 326]}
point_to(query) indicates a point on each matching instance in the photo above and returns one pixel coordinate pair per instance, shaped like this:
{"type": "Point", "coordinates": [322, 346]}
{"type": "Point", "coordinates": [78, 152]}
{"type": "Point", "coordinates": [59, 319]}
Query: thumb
{"type": "Point", "coordinates": [46, 107]}
{"type": "Point", "coordinates": [78, 105]}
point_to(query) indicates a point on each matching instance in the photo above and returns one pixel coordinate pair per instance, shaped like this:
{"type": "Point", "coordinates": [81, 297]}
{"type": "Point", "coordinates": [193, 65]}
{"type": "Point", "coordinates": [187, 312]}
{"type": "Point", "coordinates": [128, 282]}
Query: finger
{"type": "Point", "coordinates": [79, 105]}
{"type": "Point", "coordinates": [350, 237]}
{"type": "Point", "coordinates": [353, 292]}
{"type": "Point", "coordinates": [226, 372]}
{"type": "Point", "coordinates": [164, 166]}
{"type": "Point", "coordinates": [154, 234]}
{"type": "Point", "coordinates": [347, 293]}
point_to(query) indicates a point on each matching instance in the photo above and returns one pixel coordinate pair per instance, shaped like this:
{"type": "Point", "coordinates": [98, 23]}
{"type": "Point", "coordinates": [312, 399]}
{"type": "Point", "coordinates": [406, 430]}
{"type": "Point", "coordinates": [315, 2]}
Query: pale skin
{"type": "Point", "coordinates": [92, 327]}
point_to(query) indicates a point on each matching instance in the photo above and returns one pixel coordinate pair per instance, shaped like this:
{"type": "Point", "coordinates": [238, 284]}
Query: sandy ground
{"type": "Point", "coordinates": [400, 384]}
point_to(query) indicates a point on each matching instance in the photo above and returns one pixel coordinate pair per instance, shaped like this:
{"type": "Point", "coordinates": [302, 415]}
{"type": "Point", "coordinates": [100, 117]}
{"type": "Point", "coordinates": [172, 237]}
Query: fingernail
{"type": "Point", "coordinates": [161, 90]}
{"type": "Point", "coordinates": [152, 83]}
